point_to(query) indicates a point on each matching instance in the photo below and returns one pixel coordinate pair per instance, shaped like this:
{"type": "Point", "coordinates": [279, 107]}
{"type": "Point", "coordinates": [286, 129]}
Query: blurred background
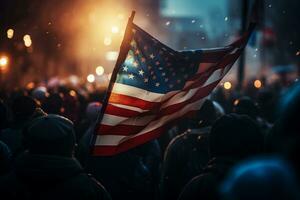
{"type": "Point", "coordinates": [54, 42]}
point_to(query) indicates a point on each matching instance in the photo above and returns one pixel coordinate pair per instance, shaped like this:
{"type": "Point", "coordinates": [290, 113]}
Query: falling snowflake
{"type": "Point", "coordinates": [203, 38]}
{"type": "Point", "coordinates": [254, 56]}
{"type": "Point", "coordinates": [226, 18]}
{"type": "Point", "coordinates": [270, 6]}
{"type": "Point", "coordinates": [201, 25]}
{"type": "Point", "coordinates": [193, 21]}
{"type": "Point", "coordinates": [168, 23]}
{"type": "Point", "coordinates": [256, 49]}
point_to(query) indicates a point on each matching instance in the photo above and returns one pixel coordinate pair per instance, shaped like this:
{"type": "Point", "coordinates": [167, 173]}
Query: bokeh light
{"type": "Point", "coordinates": [114, 29]}
{"type": "Point", "coordinates": [10, 33]}
{"type": "Point", "coordinates": [99, 70]}
{"type": "Point", "coordinates": [27, 40]}
{"type": "Point", "coordinates": [3, 62]}
{"type": "Point", "coordinates": [227, 85]}
{"type": "Point", "coordinates": [257, 84]}
{"type": "Point", "coordinates": [90, 78]}
{"type": "Point", "coordinates": [107, 40]}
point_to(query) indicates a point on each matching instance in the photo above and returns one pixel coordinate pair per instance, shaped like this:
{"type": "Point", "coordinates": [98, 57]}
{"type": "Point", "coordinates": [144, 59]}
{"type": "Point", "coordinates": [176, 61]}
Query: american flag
{"type": "Point", "coordinates": [155, 86]}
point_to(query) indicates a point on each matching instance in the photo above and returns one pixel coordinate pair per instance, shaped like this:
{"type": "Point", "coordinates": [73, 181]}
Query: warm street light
{"type": "Point", "coordinates": [3, 62]}
{"type": "Point", "coordinates": [27, 40]}
{"type": "Point", "coordinates": [99, 70]}
{"type": "Point", "coordinates": [10, 33]}
{"type": "Point", "coordinates": [90, 78]}
{"type": "Point", "coordinates": [227, 85]}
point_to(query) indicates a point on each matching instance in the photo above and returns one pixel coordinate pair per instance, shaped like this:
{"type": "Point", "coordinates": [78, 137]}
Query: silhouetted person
{"type": "Point", "coordinates": [187, 153]}
{"type": "Point", "coordinates": [24, 109]}
{"type": "Point", "coordinates": [261, 179]}
{"type": "Point", "coordinates": [284, 138]}
{"type": "Point", "coordinates": [231, 139]}
{"type": "Point", "coordinates": [48, 169]}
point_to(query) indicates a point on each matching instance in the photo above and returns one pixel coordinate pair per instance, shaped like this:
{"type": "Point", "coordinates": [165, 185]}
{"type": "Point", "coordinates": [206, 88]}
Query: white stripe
{"type": "Point", "coordinates": [113, 120]}
{"type": "Point", "coordinates": [132, 91]}
{"type": "Point", "coordinates": [114, 140]}
{"type": "Point", "coordinates": [129, 107]}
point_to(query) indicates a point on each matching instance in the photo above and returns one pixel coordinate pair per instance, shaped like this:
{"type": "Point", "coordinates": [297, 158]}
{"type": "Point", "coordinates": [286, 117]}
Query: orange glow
{"type": "Point", "coordinates": [72, 93]}
{"type": "Point", "coordinates": [257, 84]}
{"type": "Point", "coordinates": [30, 85]}
{"type": "Point", "coordinates": [3, 61]}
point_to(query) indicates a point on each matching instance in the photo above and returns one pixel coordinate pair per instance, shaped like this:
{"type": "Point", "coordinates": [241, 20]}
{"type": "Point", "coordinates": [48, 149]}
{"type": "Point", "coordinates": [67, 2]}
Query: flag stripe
{"type": "Point", "coordinates": [118, 129]}
{"type": "Point", "coordinates": [116, 139]}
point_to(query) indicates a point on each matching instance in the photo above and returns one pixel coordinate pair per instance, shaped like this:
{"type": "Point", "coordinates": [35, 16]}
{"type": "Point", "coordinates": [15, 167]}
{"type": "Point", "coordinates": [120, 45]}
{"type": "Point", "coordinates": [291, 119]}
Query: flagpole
{"type": "Point", "coordinates": [124, 48]}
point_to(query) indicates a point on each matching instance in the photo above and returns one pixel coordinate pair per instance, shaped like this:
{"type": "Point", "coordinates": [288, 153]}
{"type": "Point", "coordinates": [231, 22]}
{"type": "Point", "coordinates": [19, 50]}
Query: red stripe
{"type": "Point", "coordinates": [138, 140]}
{"type": "Point", "coordinates": [123, 112]}
{"type": "Point", "coordinates": [128, 100]}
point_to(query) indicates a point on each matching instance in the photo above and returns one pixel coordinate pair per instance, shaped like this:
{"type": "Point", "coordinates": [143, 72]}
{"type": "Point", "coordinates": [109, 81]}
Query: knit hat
{"type": "Point", "coordinates": [51, 135]}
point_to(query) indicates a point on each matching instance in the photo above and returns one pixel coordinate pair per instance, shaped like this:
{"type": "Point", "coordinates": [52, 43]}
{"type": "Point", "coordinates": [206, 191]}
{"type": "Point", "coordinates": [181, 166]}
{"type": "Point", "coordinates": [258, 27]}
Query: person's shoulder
{"type": "Point", "coordinates": [92, 185]}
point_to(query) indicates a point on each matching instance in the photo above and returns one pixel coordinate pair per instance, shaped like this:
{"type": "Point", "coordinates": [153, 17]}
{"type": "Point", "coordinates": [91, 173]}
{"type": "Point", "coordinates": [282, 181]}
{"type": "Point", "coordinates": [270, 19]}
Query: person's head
{"type": "Point", "coordinates": [245, 106]}
{"type": "Point", "coordinates": [53, 104]}
{"type": "Point", "coordinates": [260, 179]}
{"type": "Point", "coordinates": [51, 135]}
{"type": "Point", "coordinates": [92, 110]}
{"type": "Point", "coordinates": [235, 136]}
{"type": "Point", "coordinates": [207, 115]}
{"type": "Point", "coordinates": [23, 108]}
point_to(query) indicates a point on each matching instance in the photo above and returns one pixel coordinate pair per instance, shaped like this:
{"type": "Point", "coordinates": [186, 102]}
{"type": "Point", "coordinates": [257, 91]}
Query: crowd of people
{"type": "Point", "coordinates": [239, 146]}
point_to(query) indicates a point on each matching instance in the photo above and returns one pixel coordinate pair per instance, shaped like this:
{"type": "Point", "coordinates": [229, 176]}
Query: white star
{"type": "Point", "coordinates": [157, 84]}
{"type": "Point", "coordinates": [125, 69]}
{"type": "Point", "coordinates": [146, 80]}
{"type": "Point", "coordinates": [154, 77]}
{"type": "Point", "coordinates": [131, 76]}
{"type": "Point", "coordinates": [166, 79]}
{"type": "Point", "coordinates": [152, 56]}
{"type": "Point", "coordinates": [163, 74]}
{"type": "Point", "coordinates": [141, 72]}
